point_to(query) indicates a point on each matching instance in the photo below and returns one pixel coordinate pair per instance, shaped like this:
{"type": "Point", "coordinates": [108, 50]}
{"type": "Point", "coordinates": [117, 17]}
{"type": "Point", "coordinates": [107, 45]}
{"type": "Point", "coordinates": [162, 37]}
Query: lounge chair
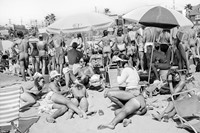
{"type": "Point", "coordinates": [187, 108]}
{"type": "Point", "coordinates": [10, 120]}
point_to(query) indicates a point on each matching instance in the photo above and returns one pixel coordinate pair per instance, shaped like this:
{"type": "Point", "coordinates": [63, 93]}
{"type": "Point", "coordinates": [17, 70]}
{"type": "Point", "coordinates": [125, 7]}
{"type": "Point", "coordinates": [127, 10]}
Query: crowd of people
{"type": "Point", "coordinates": [74, 68]}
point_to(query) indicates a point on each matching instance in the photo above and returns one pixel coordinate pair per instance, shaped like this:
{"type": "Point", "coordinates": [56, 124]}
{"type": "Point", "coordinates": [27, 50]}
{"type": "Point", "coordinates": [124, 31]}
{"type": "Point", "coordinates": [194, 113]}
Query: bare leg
{"type": "Point", "coordinates": [168, 109]}
{"type": "Point", "coordinates": [22, 66]}
{"type": "Point", "coordinates": [61, 109]}
{"type": "Point", "coordinates": [70, 111]}
{"type": "Point", "coordinates": [84, 104]}
{"type": "Point", "coordinates": [43, 65]}
{"type": "Point", "coordinates": [130, 107]}
{"type": "Point", "coordinates": [28, 99]}
{"type": "Point", "coordinates": [34, 64]}
{"type": "Point", "coordinates": [183, 55]}
{"type": "Point", "coordinates": [61, 68]}
{"type": "Point", "coordinates": [117, 95]}
{"type": "Point", "coordinates": [37, 64]}
{"type": "Point", "coordinates": [59, 99]}
{"type": "Point", "coordinates": [141, 56]}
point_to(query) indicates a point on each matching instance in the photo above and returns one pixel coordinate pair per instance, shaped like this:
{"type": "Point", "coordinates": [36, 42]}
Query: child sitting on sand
{"type": "Point", "coordinates": [79, 99]}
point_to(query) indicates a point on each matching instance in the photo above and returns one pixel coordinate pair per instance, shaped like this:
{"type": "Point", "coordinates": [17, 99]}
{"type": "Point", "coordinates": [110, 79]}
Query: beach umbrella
{"type": "Point", "coordinates": [81, 23]}
{"type": "Point", "coordinates": [157, 16]}
{"type": "Point", "coordinates": [5, 45]}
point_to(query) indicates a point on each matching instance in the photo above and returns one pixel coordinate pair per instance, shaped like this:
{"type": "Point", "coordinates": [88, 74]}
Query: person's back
{"type": "Point", "coordinates": [164, 38]}
{"type": "Point", "coordinates": [148, 35]}
{"type": "Point", "coordinates": [33, 41]}
{"type": "Point", "coordinates": [132, 77]}
{"type": "Point", "coordinates": [74, 56]}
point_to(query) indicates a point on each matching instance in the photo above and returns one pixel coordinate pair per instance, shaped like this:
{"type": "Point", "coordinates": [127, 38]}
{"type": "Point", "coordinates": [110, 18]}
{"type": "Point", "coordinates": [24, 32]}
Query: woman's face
{"type": "Point", "coordinates": [82, 63]}
{"type": "Point", "coordinates": [41, 82]}
{"type": "Point", "coordinates": [57, 78]}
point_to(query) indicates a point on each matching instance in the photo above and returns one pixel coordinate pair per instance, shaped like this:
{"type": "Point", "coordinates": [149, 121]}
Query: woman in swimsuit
{"type": "Point", "coordinates": [31, 94]}
{"type": "Point", "coordinates": [120, 41]}
{"type": "Point", "coordinates": [56, 98]}
{"type": "Point", "coordinates": [79, 99]}
{"type": "Point", "coordinates": [43, 49]}
{"type": "Point", "coordinates": [106, 47]}
{"type": "Point", "coordinates": [33, 41]}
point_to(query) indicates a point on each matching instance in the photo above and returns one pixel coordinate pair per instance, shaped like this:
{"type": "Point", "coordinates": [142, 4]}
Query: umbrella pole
{"type": "Point", "coordinates": [149, 76]}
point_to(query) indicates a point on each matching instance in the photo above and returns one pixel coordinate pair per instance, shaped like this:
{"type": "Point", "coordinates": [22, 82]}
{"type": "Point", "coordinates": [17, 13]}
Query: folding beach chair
{"type": "Point", "coordinates": [10, 120]}
{"type": "Point", "coordinates": [187, 108]}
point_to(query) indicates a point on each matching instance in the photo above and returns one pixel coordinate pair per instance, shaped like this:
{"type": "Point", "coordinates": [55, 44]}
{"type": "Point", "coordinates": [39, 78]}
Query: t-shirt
{"type": "Point", "coordinates": [130, 77]}
{"type": "Point", "coordinates": [74, 56]}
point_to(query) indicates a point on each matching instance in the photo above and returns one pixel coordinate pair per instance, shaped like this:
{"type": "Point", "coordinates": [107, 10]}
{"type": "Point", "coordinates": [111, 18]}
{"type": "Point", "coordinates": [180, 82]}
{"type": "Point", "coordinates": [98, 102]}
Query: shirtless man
{"type": "Point", "coordinates": [80, 95]}
{"type": "Point", "coordinates": [43, 50]}
{"type": "Point", "coordinates": [23, 48]}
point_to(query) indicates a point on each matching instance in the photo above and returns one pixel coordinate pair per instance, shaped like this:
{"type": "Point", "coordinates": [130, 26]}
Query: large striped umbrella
{"type": "Point", "coordinates": [157, 16]}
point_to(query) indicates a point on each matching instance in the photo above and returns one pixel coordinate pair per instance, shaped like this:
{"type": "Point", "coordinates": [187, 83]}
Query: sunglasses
{"type": "Point", "coordinates": [81, 61]}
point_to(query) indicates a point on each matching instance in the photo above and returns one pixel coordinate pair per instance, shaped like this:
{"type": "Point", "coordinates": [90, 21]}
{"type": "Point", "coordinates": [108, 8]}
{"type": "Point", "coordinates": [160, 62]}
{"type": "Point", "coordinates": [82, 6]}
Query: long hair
{"type": "Point", "coordinates": [36, 82]}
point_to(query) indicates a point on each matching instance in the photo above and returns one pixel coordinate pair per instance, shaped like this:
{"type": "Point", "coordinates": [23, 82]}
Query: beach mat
{"type": "Point", "coordinates": [24, 125]}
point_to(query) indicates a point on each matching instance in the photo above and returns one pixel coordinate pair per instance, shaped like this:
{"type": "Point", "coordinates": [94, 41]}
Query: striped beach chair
{"type": "Point", "coordinates": [10, 120]}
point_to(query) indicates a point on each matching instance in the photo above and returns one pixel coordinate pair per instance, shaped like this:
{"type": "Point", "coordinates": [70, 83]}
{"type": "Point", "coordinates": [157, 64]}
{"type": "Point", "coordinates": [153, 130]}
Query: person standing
{"type": "Point", "coordinates": [33, 42]}
{"type": "Point", "coordinates": [23, 48]}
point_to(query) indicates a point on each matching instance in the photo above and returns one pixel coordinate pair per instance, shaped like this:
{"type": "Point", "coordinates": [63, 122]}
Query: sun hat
{"type": "Point", "coordinates": [53, 74]}
{"type": "Point", "coordinates": [37, 74]}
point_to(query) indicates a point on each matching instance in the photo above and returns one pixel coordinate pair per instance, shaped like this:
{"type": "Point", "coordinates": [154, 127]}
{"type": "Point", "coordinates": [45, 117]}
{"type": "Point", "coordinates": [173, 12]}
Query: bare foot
{"type": "Point", "coordinates": [84, 115]}
{"type": "Point", "coordinates": [100, 127]}
{"type": "Point", "coordinates": [50, 119]}
{"type": "Point", "coordinates": [126, 122]}
{"type": "Point", "coordinates": [156, 117]}
{"type": "Point", "coordinates": [69, 115]}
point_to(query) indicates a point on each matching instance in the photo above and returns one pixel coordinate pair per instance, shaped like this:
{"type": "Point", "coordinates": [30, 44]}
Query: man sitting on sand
{"type": "Point", "coordinates": [130, 100]}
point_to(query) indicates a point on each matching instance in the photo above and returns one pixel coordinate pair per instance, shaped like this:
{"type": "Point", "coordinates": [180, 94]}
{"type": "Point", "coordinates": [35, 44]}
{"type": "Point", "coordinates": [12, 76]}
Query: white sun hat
{"type": "Point", "coordinates": [53, 74]}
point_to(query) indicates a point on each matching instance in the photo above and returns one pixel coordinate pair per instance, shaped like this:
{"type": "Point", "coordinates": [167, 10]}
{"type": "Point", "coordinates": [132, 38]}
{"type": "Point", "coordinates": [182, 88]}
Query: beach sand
{"type": "Point", "coordinates": [140, 124]}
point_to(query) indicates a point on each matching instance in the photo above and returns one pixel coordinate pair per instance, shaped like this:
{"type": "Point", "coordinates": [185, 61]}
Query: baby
{"type": "Point", "coordinates": [80, 95]}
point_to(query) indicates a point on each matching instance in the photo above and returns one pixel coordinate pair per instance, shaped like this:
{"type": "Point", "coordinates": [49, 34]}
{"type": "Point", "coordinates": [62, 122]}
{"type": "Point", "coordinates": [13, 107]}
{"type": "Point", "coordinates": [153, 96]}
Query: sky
{"type": "Point", "coordinates": [23, 11]}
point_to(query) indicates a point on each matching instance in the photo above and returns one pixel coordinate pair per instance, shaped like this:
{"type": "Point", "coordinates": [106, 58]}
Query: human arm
{"type": "Point", "coordinates": [198, 47]}
{"type": "Point", "coordinates": [170, 84]}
